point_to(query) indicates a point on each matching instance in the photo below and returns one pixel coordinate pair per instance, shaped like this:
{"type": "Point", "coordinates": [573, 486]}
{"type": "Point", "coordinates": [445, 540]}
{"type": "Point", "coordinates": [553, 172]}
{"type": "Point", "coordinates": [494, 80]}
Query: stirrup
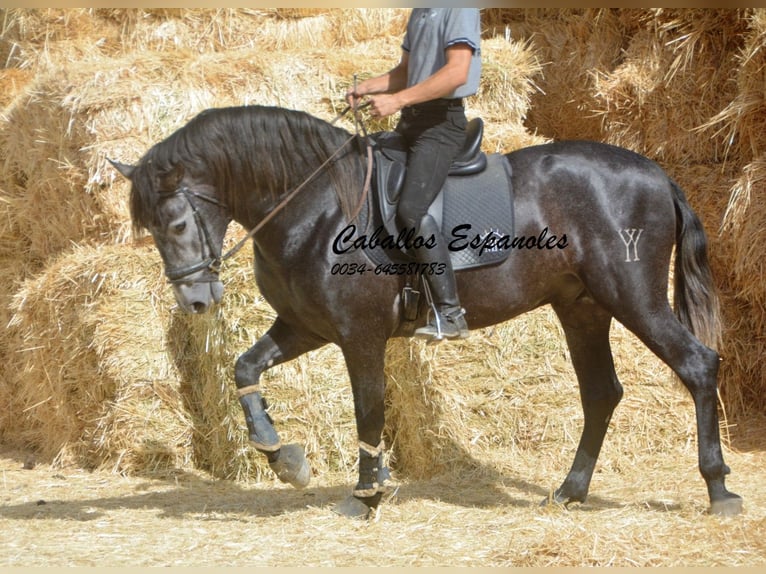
{"type": "Point", "coordinates": [437, 327]}
{"type": "Point", "coordinates": [443, 326]}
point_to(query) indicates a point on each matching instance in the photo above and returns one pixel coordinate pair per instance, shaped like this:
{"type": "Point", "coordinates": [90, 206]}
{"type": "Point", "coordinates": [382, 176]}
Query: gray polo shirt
{"type": "Point", "coordinates": [430, 31]}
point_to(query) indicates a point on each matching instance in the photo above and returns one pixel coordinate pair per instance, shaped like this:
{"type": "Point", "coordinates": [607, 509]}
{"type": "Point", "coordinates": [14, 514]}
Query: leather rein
{"type": "Point", "coordinates": [213, 263]}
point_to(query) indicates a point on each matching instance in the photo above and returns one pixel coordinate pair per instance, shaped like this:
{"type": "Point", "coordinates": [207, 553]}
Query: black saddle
{"type": "Point", "coordinates": [391, 155]}
{"type": "Point", "coordinates": [476, 199]}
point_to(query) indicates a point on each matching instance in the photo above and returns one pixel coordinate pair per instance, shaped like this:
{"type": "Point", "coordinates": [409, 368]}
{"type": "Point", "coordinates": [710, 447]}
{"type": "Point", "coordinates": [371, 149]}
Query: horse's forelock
{"type": "Point", "coordinates": [144, 196]}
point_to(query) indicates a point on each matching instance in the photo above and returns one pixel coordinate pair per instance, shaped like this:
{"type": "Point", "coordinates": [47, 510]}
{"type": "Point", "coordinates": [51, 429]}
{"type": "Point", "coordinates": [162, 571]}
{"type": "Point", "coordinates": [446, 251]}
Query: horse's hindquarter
{"type": "Point", "coordinates": [587, 215]}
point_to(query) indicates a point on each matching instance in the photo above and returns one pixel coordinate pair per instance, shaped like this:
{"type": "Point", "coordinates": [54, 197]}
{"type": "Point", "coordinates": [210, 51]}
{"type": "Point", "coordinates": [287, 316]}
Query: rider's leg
{"type": "Point", "coordinates": [435, 136]}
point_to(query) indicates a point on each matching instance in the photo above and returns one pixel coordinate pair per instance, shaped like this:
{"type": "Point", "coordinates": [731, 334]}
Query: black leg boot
{"type": "Point", "coordinates": [446, 320]}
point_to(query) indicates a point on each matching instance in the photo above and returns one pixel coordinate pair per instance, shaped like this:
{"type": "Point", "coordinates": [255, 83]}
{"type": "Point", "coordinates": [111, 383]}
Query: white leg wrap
{"type": "Point", "coordinates": [373, 451]}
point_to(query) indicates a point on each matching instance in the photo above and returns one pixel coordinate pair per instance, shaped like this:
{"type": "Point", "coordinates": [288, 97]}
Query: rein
{"type": "Point", "coordinates": [213, 263]}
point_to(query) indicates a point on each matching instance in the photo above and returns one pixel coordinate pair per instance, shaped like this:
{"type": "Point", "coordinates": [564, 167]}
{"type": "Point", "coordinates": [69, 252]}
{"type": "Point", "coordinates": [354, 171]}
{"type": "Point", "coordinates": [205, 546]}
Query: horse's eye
{"type": "Point", "coordinates": [179, 227]}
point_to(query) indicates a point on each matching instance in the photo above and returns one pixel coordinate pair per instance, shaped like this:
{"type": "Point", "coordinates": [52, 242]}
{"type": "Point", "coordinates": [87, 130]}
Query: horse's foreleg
{"type": "Point", "coordinates": [281, 343]}
{"type": "Point", "coordinates": [365, 362]}
{"type": "Point", "coordinates": [586, 326]}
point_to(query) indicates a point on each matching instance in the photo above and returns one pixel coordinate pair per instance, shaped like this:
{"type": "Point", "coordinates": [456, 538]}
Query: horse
{"type": "Point", "coordinates": [297, 180]}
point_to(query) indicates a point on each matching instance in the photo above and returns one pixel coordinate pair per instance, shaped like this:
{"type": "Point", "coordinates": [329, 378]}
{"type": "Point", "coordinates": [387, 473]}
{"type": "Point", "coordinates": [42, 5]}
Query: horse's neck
{"type": "Point", "coordinates": [297, 220]}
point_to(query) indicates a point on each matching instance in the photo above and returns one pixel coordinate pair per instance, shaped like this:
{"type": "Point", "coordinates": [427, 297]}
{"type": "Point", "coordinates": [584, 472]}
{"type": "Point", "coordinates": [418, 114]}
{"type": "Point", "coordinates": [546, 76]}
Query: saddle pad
{"type": "Point", "coordinates": [474, 212]}
{"type": "Point", "coordinates": [477, 211]}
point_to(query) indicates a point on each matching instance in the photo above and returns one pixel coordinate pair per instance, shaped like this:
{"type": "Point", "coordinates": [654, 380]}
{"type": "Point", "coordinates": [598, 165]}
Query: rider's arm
{"type": "Point", "coordinates": [443, 82]}
{"type": "Point", "coordinates": [392, 81]}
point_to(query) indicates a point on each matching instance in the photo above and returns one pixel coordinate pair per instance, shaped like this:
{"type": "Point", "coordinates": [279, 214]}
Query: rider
{"type": "Point", "coordinates": [439, 66]}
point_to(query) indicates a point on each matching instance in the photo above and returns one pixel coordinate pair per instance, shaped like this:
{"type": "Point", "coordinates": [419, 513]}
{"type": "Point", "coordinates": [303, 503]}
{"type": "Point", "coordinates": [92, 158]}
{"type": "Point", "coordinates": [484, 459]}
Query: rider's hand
{"type": "Point", "coordinates": [353, 97]}
{"type": "Point", "coordinates": [384, 105]}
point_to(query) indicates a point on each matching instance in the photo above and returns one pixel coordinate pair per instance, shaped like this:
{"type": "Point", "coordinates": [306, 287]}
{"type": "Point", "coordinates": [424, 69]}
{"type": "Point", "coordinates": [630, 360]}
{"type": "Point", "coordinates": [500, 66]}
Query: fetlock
{"type": "Point", "coordinates": [260, 427]}
{"type": "Point", "coordinates": [369, 470]}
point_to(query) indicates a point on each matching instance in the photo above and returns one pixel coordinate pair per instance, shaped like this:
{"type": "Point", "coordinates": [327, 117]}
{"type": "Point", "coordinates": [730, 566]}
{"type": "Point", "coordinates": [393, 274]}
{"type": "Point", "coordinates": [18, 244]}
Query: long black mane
{"type": "Point", "coordinates": [245, 150]}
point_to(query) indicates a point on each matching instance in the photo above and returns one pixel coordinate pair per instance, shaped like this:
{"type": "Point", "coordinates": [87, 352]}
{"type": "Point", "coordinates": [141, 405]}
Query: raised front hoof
{"type": "Point", "coordinates": [354, 507]}
{"type": "Point", "coordinates": [291, 466]}
{"type": "Point", "coordinates": [731, 505]}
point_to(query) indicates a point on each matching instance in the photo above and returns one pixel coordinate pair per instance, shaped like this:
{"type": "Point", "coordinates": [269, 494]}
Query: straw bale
{"type": "Point", "coordinates": [511, 389]}
{"type": "Point", "coordinates": [104, 373]}
{"type": "Point", "coordinates": [43, 36]}
{"type": "Point", "coordinates": [744, 231]}
{"type": "Point", "coordinates": [672, 79]}
{"type": "Point", "coordinates": [44, 191]}
{"type": "Point", "coordinates": [510, 70]}
{"type": "Point", "coordinates": [745, 224]}
{"type": "Point", "coordinates": [743, 121]}
{"type": "Point", "coordinates": [573, 47]}
{"type": "Point", "coordinates": [53, 366]}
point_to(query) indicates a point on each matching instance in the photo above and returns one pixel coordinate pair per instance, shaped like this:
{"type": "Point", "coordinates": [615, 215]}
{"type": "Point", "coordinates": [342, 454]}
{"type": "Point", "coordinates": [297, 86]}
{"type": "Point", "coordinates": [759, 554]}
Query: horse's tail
{"type": "Point", "coordinates": [696, 298]}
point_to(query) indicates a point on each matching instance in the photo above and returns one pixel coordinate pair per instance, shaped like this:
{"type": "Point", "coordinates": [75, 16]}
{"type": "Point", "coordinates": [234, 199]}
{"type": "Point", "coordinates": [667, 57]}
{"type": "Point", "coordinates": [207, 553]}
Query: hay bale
{"type": "Point", "coordinates": [509, 391]}
{"type": "Point", "coordinates": [510, 71]}
{"type": "Point", "coordinates": [745, 224]}
{"type": "Point", "coordinates": [672, 79]}
{"type": "Point", "coordinates": [104, 373]}
{"type": "Point", "coordinates": [574, 46]}
{"type": "Point", "coordinates": [744, 229]}
{"type": "Point", "coordinates": [57, 387]}
{"type": "Point", "coordinates": [742, 122]}
{"type": "Point", "coordinates": [41, 159]}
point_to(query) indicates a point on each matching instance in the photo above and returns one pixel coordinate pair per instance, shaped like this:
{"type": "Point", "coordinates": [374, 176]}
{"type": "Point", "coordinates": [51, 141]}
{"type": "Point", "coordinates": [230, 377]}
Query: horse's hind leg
{"type": "Point", "coordinates": [281, 343]}
{"type": "Point", "coordinates": [697, 367]}
{"type": "Point", "coordinates": [586, 326]}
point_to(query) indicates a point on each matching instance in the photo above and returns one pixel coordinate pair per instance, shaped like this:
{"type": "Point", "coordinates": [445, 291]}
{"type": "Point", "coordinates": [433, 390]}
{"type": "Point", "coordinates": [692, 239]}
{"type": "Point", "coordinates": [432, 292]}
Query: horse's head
{"type": "Point", "coordinates": [187, 224]}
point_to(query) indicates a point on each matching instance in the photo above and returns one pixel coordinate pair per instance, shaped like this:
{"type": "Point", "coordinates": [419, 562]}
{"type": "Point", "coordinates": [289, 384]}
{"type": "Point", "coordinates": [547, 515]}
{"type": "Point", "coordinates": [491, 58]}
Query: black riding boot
{"type": "Point", "coordinates": [446, 318]}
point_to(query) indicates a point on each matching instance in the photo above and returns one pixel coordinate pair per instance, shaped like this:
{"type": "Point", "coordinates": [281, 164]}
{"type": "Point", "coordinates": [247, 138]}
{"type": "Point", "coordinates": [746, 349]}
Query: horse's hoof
{"type": "Point", "coordinates": [729, 506]}
{"type": "Point", "coordinates": [556, 499]}
{"type": "Point", "coordinates": [353, 507]}
{"type": "Point", "coordinates": [292, 466]}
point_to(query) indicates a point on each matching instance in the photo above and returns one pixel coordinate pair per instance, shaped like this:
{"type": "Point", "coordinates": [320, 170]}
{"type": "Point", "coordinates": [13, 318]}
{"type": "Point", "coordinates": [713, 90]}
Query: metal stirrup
{"type": "Point", "coordinates": [433, 309]}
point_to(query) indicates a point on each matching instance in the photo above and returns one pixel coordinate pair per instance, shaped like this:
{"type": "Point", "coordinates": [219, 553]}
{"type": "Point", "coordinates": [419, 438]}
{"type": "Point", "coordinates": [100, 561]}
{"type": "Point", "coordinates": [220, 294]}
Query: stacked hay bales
{"type": "Point", "coordinates": [100, 370]}
{"type": "Point", "coordinates": [108, 374]}
{"type": "Point", "coordinates": [742, 124]}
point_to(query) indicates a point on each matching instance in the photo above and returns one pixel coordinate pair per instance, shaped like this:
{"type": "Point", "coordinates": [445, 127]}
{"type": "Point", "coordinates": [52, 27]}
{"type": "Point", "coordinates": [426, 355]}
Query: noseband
{"type": "Point", "coordinates": [213, 263]}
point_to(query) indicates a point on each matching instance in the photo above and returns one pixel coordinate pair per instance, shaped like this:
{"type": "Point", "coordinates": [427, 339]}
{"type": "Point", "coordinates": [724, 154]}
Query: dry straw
{"type": "Point", "coordinates": [100, 369]}
{"type": "Point", "coordinates": [672, 78]}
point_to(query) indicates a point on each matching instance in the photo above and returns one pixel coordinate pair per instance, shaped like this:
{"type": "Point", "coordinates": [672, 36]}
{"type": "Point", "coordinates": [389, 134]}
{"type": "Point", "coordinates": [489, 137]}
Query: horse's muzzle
{"type": "Point", "coordinates": [198, 297]}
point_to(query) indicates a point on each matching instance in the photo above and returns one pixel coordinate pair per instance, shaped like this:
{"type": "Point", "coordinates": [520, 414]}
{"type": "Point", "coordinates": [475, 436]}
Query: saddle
{"type": "Point", "coordinates": [474, 205]}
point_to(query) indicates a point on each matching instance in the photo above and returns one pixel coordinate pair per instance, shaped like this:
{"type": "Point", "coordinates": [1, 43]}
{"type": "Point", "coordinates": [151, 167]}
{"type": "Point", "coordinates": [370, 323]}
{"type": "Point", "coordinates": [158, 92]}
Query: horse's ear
{"type": "Point", "coordinates": [125, 169]}
{"type": "Point", "coordinates": [170, 180]}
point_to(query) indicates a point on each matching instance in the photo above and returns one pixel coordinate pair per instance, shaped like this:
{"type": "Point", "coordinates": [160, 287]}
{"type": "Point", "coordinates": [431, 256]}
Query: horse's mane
{"type": "Point", "coordinates": [246, 150]}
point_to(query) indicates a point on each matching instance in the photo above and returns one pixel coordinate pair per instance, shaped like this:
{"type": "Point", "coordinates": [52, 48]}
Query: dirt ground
{"type": "Point", "coordinates": [488, 516]}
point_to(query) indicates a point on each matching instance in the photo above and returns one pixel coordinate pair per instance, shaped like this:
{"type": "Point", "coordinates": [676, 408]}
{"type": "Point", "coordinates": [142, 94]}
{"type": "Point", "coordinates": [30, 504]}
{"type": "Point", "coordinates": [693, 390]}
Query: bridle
{"type": "Point", "coordinates": [213, 263]}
